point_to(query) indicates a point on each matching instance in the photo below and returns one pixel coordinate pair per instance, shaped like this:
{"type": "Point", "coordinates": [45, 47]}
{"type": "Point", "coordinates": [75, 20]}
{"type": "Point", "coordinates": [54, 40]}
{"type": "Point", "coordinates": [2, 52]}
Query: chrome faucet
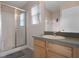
{"type": "Point", "coordinates": [54, 33]}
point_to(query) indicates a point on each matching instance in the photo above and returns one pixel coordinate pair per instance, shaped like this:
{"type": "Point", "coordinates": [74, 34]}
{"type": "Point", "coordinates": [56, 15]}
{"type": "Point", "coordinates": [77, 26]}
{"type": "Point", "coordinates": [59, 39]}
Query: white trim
{"type": "Point", "coordinates": [30, 47]}
{"type": "Point", "coordinates": [0, 28]}
{"type": "Point", "coordinates": [2, 54]}
{"type": "Point", "coordinates": [12, 6]}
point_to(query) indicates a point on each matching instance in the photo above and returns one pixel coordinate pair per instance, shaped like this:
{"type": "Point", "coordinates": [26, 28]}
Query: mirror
{"type": "Point", "coordinates": [62, 16]}
{"type": "Point", "coordinates": [69, 20]}
{"type": "Point", "coordinates": [52, 15]}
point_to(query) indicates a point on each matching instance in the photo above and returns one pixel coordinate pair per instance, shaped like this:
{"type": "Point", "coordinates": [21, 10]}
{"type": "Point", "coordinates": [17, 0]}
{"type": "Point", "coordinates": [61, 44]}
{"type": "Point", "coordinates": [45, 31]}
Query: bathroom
{"type": "Point", "coordinates": [39, 29]}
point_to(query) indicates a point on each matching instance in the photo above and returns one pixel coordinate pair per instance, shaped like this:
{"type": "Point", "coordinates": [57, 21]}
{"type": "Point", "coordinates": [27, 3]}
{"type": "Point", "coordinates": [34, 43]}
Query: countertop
{"type": "Point", "coordinates": [68, 41]}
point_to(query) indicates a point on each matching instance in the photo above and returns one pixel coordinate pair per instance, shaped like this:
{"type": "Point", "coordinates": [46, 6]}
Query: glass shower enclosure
{"type": "Point", "coordinates": [12, 27]}
{"type": "Point", "coordinates": [20, 28]}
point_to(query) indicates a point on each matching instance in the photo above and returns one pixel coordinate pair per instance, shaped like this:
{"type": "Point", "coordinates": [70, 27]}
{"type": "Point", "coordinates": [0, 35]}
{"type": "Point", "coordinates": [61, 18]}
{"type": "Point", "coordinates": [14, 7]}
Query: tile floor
{"type": "Point", "coordinates": [26, 53]}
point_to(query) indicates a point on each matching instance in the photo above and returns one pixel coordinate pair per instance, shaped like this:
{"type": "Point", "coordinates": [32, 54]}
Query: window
{"type": "Point", "coordinates": [35, 15]}
{"type": "Point", "coordinates": [22, 19]}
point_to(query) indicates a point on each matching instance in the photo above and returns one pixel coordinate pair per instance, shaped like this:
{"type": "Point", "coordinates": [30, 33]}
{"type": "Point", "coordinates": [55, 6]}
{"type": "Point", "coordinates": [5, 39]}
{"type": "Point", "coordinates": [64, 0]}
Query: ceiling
{"type": "Point", "coordinates": [53, 5]}
{"type": "Point", "coordinates": [49, 5]}
{"type": "Point", "coordinates": [19, 4]}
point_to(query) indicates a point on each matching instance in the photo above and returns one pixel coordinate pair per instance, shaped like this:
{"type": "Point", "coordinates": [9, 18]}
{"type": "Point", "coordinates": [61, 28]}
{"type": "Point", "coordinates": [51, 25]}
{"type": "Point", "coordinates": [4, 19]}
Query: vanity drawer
{"type": "Point", "coordinates": [54, 55]}
{"type": "Point", "coordinates": [40, 43]}
{"type": "Point", "coordinates": [62, 50]}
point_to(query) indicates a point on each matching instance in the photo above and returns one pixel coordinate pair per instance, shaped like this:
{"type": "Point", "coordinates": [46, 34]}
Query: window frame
{"type": "Point", "coordinates": [38, 15]}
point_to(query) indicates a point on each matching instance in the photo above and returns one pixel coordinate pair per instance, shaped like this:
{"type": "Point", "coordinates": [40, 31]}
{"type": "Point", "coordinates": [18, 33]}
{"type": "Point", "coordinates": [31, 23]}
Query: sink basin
{"type": "Point", "coordinates": [53, 37]}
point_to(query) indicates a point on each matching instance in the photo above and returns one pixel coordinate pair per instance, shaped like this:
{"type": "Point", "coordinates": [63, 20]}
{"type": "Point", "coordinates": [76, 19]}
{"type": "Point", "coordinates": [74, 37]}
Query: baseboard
{"type": "Point", "coordinates": [30, 48]}
{"type": "Point", "coordinates": [2, 54]}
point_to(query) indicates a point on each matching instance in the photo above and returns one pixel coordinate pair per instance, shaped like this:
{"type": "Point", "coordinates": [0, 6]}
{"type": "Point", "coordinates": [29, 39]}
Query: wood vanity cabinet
{"type": "Point", "coordinates": [45, 49]}
{"type": "Point", "coordinates": [58, 51]}
{"type": "Point", "coordinates": [39, 49]}
{"type": "Point", "coordinates": [75, 52]}
{"type": "Point", "coordinates": [39, 52]}
{"type": "Point", "coordinates": [51, 54]}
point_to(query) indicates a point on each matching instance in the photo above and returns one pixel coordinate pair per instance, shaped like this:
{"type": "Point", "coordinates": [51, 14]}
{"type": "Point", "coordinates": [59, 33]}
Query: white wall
{"type": "Point", "coordinates": [33, 29]}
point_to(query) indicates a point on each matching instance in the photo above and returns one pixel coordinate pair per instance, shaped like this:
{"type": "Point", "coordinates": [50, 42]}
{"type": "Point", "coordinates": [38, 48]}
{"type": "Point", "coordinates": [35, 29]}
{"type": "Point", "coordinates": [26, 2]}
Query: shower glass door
{"type": "Point", "coordinates": [20, 28]}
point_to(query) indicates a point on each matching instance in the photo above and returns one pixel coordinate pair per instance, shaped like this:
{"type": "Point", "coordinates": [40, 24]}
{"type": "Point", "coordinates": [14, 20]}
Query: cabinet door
{"type": "Point", "coordinates": [62, 50]}
{"type": "Point", "coordinates": [40, 43]}
{"type": "Point", "coordinates": [39, 52]}
{"type": "Point", "coordinates": [54, 55]}
{"type": "Point", "coordinates": [76, 52]}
